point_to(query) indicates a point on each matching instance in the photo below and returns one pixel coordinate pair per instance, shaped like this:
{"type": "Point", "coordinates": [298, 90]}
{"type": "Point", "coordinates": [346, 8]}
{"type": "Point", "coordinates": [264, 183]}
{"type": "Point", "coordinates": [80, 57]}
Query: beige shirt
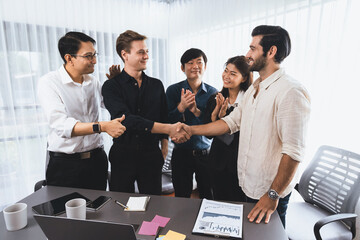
{"type": "Point", "coordinates": [272, 124]}
{"type": "Point", "coordinates": [65, 103]}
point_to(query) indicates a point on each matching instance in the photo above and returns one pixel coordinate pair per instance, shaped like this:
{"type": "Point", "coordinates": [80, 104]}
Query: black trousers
{"type": "Point", "coordinates": [184, 164]}
{"type": "Point", "coordinates": [73, 170]}
{"type": "Point", "coordinates": [140, 164]}
{"type": "Point", "coordinates": [225, 185]}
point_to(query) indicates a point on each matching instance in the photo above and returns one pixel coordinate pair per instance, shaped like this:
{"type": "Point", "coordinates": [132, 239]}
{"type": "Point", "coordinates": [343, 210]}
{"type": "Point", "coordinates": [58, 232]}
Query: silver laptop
{"type": "Point", "coordinates": [61, 228]}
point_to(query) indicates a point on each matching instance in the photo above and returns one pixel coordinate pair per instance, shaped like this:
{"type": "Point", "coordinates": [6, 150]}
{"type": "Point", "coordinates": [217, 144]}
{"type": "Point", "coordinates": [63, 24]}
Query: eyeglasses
{"type": "Point", "coordinates": [89, 57]}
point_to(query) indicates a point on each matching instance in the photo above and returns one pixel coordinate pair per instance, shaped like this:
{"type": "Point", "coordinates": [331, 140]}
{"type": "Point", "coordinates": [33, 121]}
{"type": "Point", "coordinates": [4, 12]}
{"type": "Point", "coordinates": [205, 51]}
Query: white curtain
{"type": "Point", "coordinates": [29, 33]}
{"type": "Point", "coordinates": [324, 50]}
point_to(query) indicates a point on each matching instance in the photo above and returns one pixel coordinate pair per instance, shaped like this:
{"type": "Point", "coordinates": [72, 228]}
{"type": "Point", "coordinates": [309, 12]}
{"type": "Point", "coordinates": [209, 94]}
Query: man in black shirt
{"type": "Point", "coordinates": [136, 156]}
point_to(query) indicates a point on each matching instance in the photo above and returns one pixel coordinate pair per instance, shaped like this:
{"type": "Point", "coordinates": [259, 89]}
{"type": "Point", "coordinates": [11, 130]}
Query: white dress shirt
{"type": "Point", "coordinates": [272, 124]}
{"type": "Point", "coordinates": [65, 103]}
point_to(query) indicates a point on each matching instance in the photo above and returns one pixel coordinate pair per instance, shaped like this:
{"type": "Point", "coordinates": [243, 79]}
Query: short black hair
{"type": "Point", "coordinates": [274, 36]}
{"type": "Point", "coordinates": [191, 54]}
{"type": "Point", "coordinates": [71, 41]}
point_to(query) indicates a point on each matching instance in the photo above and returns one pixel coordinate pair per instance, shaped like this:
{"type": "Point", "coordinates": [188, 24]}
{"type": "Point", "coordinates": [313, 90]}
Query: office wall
{"type": "Point", "coordinates": [324, 58]}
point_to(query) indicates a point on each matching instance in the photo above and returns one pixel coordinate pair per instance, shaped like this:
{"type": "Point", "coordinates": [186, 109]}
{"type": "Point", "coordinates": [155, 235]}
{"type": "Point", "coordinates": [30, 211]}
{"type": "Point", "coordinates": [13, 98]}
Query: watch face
{"type": "Point", "coordinates": [96, 128]}
{"type": "Point", "coordinates": [273, 194]}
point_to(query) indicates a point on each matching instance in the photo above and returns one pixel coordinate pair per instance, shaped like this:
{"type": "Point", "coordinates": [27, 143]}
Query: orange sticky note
{"type": "Point", "coordinates": [171, 235]}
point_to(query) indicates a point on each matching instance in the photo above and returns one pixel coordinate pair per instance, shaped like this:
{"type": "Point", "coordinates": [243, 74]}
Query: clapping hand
{"type": "Point", "coordinates": [223, 108]}
{"type": "Point", "coordinates": [187, 100]}
{"type": "Point", "coordinates": [220, 108]}
{"type": "Point", "coordinates": [114, 70]}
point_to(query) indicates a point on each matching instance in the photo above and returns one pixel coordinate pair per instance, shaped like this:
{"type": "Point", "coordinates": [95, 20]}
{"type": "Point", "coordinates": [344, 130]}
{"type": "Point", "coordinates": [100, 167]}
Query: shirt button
{"type": "Point", "coordinates": [136, 136]}
{"type": "Point", "coordinates": [135, 84]}
{"type": "Point", "coordinates": [138, 109]}
{"type": "Point", "coordinates": [146, 129]}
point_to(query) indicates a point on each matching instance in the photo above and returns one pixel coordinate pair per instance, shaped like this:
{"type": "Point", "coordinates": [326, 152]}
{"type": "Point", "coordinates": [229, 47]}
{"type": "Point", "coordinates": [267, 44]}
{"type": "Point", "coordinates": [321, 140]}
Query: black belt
{"type": "Point", "coordinates": [81, 155]}
{"type": "Point", "coordinates": [195, 152]}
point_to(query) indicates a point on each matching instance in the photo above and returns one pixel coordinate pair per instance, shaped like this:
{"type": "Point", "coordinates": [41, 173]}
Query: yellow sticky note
{"type": "Point", "coordinates": [171, 235]}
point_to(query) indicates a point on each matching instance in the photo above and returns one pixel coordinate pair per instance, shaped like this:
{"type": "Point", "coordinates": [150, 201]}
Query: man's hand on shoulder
{"type": "Point", "coordinates": [114, 70]}
{"type": "Point", "coordinates": [114, 127]}
{"type": "Point", "coordinates": [263, 208]}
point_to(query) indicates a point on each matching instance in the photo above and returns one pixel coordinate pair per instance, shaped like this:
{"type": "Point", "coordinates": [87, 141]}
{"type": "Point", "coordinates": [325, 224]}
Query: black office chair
{"type": "Point", "coordinates": [42, 183]}
{"type": "Point", "coordinates": [167, 185]}
{"type": "Point", "coordinates": [330, 187]}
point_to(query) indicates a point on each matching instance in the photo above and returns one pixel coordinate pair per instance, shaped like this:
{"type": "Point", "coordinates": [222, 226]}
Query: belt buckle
{"type": "Point", "coordinates": [194, 153]}
{"type": "Point", "coordinates": [85, 155]}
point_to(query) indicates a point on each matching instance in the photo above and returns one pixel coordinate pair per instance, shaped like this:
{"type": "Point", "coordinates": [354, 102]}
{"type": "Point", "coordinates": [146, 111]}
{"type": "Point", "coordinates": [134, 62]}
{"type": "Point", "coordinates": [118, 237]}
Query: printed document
{"type": "Point", "coordinates": [219, 219]}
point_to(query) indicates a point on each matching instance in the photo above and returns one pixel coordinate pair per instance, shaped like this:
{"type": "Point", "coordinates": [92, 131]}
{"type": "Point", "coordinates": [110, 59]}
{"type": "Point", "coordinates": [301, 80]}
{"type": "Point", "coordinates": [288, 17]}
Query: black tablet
{"type": "Point", "coordinates": [57, 206]}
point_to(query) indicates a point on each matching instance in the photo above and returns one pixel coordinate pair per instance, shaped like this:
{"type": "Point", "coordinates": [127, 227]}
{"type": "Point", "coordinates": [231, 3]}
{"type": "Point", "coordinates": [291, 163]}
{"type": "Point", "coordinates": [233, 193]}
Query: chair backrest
{"type": "Point", "coordinates": [332, 180]}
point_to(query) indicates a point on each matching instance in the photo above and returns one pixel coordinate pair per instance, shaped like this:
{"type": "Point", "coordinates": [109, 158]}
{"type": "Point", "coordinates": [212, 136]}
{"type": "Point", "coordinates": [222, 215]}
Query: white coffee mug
{"type": "Point", "coordinates": [15, 216]}
{"type": "Point", "coordinates": [76, 208]}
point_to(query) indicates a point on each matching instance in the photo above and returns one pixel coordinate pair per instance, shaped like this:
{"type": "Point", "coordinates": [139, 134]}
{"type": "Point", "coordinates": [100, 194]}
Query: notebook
{"type": "Point", "coordinates": [137, 203]}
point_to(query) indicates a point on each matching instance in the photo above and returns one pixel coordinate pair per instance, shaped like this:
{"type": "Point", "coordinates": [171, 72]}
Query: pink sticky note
{"type": "Point", "coordinates": [149, 228]}
{"type": "Point", "coordinates": [162, 221]}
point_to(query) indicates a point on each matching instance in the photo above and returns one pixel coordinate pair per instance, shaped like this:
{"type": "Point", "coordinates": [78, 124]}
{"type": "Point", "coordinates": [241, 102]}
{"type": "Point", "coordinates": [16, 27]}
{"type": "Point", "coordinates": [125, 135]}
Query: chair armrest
{"type": "Point", "coordinates": [336, 217]}
{"type": "Point", "coordinates": [297, 187]}
{"type": "Point", "coordinates": [39, 185]}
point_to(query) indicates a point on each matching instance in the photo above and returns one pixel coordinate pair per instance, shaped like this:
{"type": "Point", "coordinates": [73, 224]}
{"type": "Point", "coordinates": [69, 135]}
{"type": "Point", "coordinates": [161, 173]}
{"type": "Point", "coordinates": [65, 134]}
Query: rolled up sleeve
{"type": "Point", "coordinates": [233, 120]}
{"type": "Point", "coordinates": [292, 119]}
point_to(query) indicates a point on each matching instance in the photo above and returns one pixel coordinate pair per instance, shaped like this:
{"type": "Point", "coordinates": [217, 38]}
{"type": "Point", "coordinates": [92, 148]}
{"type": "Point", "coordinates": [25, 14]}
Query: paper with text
{"type": "Point", "coordinates": [219, 219]}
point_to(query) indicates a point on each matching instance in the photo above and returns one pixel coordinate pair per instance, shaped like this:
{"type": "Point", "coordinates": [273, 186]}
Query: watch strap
{"type": "Point", "coordinates": [96, 127]}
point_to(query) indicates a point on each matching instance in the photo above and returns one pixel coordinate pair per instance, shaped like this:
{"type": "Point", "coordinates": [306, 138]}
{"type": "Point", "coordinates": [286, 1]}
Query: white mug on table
{"type": "Point", "coordinates": [15, 216]}
{"type": "Point", "coordinates": [76, 208]}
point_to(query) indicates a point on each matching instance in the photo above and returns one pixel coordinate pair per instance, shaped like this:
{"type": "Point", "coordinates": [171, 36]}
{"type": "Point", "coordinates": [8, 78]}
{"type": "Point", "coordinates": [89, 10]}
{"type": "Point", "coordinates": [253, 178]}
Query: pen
{"type": "Point", "coordinates": [119, 203]}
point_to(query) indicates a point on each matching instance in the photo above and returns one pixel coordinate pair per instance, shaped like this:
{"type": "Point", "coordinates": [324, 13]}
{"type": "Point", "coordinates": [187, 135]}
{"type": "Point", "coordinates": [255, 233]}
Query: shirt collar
{"type": "Point", "coordinates": [127, 77]}
{"type": "Point", "coordinates": [65, 77]}
{"type": "Point", "coordinates": [237, 100]}
{"type": "Point", "coordinates": [269, 80]}
{"type": "Point", "coordinates": [202, 86]}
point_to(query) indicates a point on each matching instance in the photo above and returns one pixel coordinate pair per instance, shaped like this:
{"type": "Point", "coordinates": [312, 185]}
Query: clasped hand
{"type": "Point", "coordinates": [180, 132]}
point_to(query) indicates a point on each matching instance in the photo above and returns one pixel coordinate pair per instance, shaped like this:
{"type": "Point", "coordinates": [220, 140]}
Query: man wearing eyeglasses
{"type": "Point", "coordinates": [71, 100]}
{"type": "Point", "coordinates": [136, 156]}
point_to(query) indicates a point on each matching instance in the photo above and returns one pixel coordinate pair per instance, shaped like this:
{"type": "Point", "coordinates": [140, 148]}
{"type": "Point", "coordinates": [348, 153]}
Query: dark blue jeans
{"type": "Point", "coordinates": [281, 208]}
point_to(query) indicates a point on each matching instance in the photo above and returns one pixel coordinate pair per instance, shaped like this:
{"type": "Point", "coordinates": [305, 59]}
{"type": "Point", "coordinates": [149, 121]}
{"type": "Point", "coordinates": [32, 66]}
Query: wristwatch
{"type": "Point", "coordinates": [273, 194]}
{"type": "Point", "coordinates": [96, 128]}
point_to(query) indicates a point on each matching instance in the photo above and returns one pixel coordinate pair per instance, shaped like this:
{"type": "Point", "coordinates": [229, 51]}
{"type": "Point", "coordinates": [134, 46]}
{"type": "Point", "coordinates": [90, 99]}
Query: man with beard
{"type": "Point", "coordinates": [272, 119]}
{"type": "Point", "coordinates": [71, 99]}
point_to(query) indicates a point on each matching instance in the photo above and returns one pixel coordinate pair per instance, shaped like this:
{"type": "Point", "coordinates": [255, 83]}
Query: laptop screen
{"type": "Point", "coordinates": [60, 228]}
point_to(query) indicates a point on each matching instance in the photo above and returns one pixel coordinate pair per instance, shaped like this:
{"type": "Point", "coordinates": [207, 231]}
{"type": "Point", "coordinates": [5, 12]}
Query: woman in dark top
{"type": "Point", "coordinates": [224, 149]}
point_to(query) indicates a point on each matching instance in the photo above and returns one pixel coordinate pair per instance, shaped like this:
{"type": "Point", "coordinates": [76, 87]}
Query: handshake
{"type": "Point", "coordinates": [179, 132]}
